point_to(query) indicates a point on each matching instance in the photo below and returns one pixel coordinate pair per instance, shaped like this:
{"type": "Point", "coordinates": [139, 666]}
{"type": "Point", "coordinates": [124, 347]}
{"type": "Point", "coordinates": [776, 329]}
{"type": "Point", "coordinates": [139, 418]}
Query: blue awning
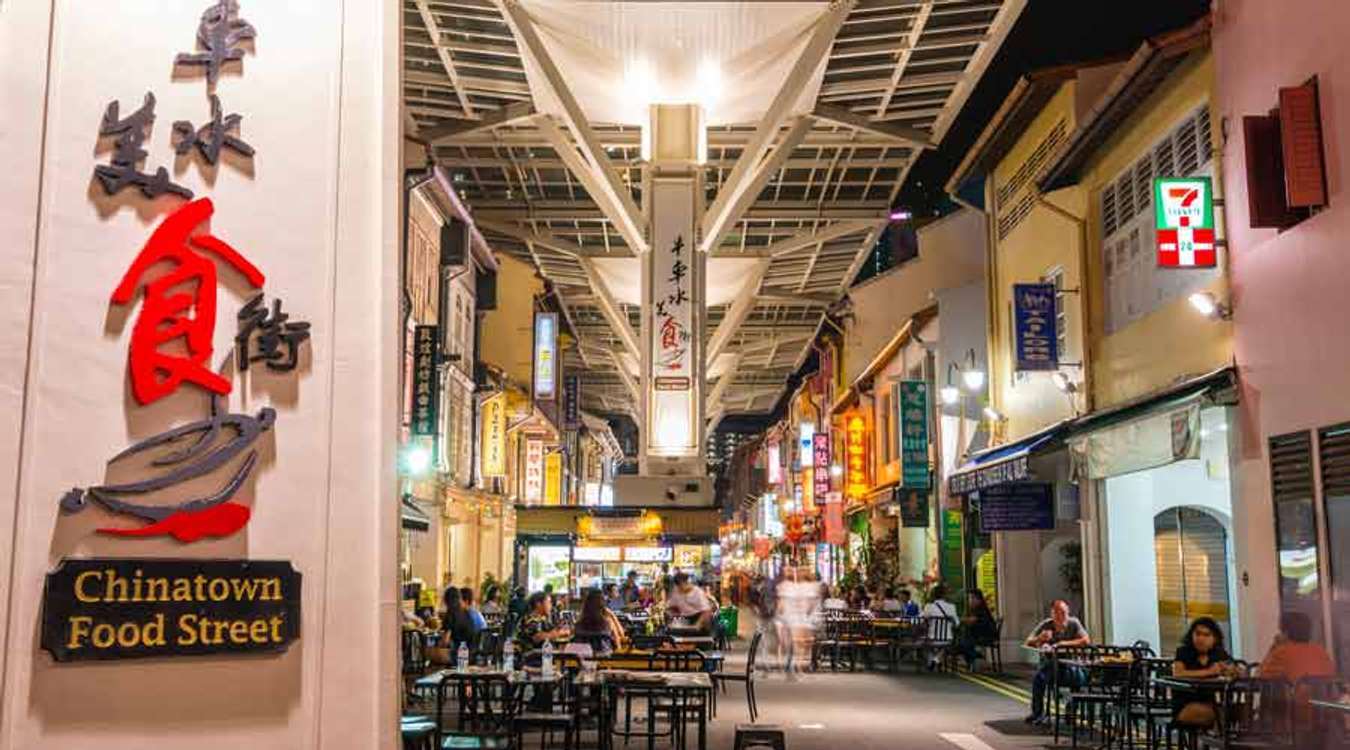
{"type": "Point", "coordinates": [1006, 463]}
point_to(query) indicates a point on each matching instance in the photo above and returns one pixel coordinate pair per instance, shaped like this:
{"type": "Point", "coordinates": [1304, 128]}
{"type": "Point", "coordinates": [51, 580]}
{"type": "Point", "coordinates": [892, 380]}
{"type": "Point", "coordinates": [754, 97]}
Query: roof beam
{"type": "Point", "coordinates": [600, 177]}
{"type": "Point", "coordinates": [612, 208]}
{"type": "Point", "coordinates": [803, 240]}
{"type": "Point", "coordinates": [740, 194]}
{"type": "Point", "coordinates": [738, 312]}
{"type": "Point", "coordinates": [916, 27]}
{"type": "Point", "coordinates": [509, 115]}
{"type": "Point", "coordinates": [848, 118]}
{"type": "Point", "coordinates": [723, 213]}
{"type": "Point", "coordinates": [609, 307]}
{"type": "Point", "coordinates": [447, 60]}
{"type": "Point", "coordinates": [719, 389]}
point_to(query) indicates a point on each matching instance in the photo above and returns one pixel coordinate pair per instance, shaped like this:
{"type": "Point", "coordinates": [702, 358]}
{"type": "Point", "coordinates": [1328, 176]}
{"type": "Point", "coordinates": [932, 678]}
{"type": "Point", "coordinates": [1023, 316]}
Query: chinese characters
{"type": "Point", "coordinates": [123, 171]}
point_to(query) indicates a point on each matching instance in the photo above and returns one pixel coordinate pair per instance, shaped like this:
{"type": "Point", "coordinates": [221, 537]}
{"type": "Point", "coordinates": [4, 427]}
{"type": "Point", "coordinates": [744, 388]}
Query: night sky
{"type": "Point", "coordinates": [1048, 33]}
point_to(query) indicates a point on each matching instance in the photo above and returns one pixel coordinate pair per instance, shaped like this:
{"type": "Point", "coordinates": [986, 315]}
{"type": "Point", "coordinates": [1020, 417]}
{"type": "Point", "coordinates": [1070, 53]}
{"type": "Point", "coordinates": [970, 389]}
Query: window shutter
{"type": "Point", "coordinates": [1265, 181]}
{"type": "Point", "coordinates": [1333, 448]}
{"type": "Point", "coordinates": [1301, 143]}
{"type": "Point", "coordinates": [1291, 476]}
{"type": "Point", "coordinates": [1109, 220]}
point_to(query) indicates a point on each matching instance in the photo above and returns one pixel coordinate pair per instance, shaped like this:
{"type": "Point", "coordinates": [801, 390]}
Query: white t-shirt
{"type": "Point", "coordinates": [689, 604]}
{"type": "Point", "coordinates": [835, 602]}
{"type": "Point", "coordinates": [940, 608]}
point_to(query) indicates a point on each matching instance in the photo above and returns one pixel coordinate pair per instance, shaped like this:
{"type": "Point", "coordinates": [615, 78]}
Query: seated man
{"type": "Point", "coordinates": [1059, 630]}
{"type": "Point", "coordinates": [1293, 656]}
{"type": "Point", "coordinates": [538, 626]}
{"type": "Point", "coordinates": [689, 603]}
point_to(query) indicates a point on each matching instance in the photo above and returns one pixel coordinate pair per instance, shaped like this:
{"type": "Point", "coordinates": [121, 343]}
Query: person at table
{"type": "Point", "coordinates": [613, 599]}
{"type": "Point", "coordinates": [538, 627]}
{"type": "Point", "coordinates": [491, 605]}
{"type": "Point", "coordinates": [630, 592]}
{"type": "Point", "coordinates": [598, 627]}
{"type": "Point", "coordinates": [1201, 656]}
{"type": "Point", "coordinates": [1059, 630]}
{"type": "Point", "coordinates": [908, 607]}
{"type": "Point", "coordinates": [1293, 656]}
{"type": "Point", "coordinates": [687, 602]}
{"type": "Point", "coordinates": [977, 627]}
{"type": "Point", "coordinates": [466, 595]}
{"type": "Point", "coordinates": [939, 609]}
{"type": "Point", "coordinates": [458, 625]}
{"type": "Point", "coordinates": [834, 602]}
{"type": "Point", "coordinates": [890, 602]}
{"type": "Point", "coordinates": [858, 599]}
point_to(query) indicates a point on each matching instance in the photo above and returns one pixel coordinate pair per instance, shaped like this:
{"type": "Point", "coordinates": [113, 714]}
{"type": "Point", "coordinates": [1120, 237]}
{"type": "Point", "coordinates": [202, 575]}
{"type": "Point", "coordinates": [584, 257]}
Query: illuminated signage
{"type": "Point", "coordinates": [545, 356]}
{"type": "Point", "coordinates": [534, 471]}
{"type": "Point", "coordinates": [821, 464]}
{"type": "Point", "coordinates": [913, 434]}
{"type": "Point", "coordinates": [856, 484]}
{"type": "Point", "coordinates": [775, 459]}
{"type": "Point", "coordinates": [647, 554]}
{"type": "Point", "coordinates": [673, 299]}
{"type": "Point", "coordinates": [553, 479]}
{"type": "Point", "coordinates": [1184, 220]}
{"type": "Point", "coordinates": [596, 554]}
{"type": "Point", "coordinates": [494, 436]}
{"type": "Point", "coordinates": [805, 443]}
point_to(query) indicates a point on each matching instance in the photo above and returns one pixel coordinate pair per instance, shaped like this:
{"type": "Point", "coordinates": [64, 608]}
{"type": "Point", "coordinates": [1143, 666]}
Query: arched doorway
{"type": "Point", "coordinates": [1190, 546]}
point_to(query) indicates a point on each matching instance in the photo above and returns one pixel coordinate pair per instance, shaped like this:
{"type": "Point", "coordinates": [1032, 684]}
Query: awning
{"type": "Point", "coordinates": [413, 517]}
{"type": "Point", "coordinates": [1006, 463]}
{"type": "Point", "coordinates": [1151, 431]}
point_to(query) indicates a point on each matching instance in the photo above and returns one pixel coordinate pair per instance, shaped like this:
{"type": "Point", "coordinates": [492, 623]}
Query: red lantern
{"type": "Point", "coordinates": [794, 527]}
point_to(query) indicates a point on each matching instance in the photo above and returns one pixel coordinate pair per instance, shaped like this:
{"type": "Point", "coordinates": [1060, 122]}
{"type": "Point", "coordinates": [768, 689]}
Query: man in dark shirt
{"type": "Point", "coordinates": [1059, 630]}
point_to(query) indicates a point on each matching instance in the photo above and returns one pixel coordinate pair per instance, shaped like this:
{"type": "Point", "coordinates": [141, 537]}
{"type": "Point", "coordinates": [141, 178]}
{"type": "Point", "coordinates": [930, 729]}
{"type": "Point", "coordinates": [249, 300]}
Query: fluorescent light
{"type": "Point", "coordinates": [902, 214]}
{"type": "Point", "coordinates": [1204, 303]}
{"type": "Point", "coordinates": [974, 379]}
{"type": "Point", "coordinates": [950, 394]}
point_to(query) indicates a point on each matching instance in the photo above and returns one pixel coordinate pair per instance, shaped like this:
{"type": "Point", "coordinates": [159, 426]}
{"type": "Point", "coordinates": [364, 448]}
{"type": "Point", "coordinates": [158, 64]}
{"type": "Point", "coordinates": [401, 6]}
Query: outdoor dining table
{"type": "Point", "coordinates": [436, 680]}
{"type": "Point", "coordinates": [680, 687]}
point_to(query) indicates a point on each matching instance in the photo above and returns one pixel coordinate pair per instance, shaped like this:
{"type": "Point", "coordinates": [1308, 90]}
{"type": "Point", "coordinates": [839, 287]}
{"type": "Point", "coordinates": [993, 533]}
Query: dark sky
{"type": "Point", "coordinates": [1048, 33]}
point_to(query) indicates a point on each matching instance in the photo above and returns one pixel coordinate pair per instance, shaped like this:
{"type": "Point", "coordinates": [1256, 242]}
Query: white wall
{"type": "Point", "coordinates": [1132, 501]}
{"type": "Point", "coordinates": [319, 214]}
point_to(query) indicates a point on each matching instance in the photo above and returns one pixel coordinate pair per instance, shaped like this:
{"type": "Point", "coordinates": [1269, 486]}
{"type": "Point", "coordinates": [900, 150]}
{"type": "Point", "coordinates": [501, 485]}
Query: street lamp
{"type": "Point", "coordinates": [950, 393]}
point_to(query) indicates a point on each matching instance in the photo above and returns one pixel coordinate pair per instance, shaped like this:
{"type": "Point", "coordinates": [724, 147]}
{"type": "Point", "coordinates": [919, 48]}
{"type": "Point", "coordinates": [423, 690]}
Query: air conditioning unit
{"type": "Point", "coordinates": [663, 492]}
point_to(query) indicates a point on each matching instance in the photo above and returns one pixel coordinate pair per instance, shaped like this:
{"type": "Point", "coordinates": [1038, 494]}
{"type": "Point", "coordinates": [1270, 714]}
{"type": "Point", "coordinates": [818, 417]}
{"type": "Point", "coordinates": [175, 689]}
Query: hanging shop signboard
{"type": "Point", "coordinates": [913, 409]}
{"type": "Point", "coordinates": [806, 441]}
{"type": "Point", "coordinates": [426, 396]}
{"type": "Point", "coordinates": [1018, 506]}
{"type": "Point", "coordinates": [1012, 470]}
{"type": "Point", "coordinates": [545, 356]}
{"type": "Point", "coordinates": [534, 471]}
{"type": "Point", "coordinates": [1034, 326]}
{"type": "Point", "coordinates": [775, 463]}
{"type": "Point", "coordinates": [856, 484]}
{"type": "Point", "coordinates": [1184, 221]}
{"type": "Point", "coordinates": [951, 562]}
{"type": "Point", "coordinates": [834, 519]}
{"type": "Point", "coordinates": [124, 608]}
{"type": "Point", "coordinates": [913, 506]}
{"type": "Point", "coordinates": [553, 479]}
{"type": "Point", "coordinates": [494, 436]}
{"type": "Point", "coordinates": [821, 466]}
{"type": "Point", "coordinates": [571, 402]}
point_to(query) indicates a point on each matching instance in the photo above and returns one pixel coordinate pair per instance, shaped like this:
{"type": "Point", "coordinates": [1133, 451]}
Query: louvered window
{"type": "Point", "coordinates": [1135, 285]}
{"type": "Point", "coordinates": [1296, 537]}
{"type": "Point", "coordinates": [1014, 198]}
{"type": "Point", "coordinates": [1333, 448]}
{"type": "Point", "coordinates": [1190, 549]}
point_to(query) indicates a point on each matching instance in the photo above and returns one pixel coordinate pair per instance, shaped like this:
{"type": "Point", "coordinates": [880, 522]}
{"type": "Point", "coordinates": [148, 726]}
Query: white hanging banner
{"type": "Point", "coordinates": [674, 343]}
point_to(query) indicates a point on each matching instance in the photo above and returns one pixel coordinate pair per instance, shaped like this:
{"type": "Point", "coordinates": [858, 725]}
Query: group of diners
{"type": "Point", "coordinates": [1200, 666]}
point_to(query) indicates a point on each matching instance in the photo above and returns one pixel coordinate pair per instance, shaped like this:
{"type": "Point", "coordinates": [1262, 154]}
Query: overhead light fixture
{"type": "Point", "coordinates": [992, 414]}
{"type": "Point", "coordinates": [901, 214]}
{"type": "Point", "coordinates": [1063, 383]}
{"type": "Point", "coordinates": [1210, 307]}
{"type": "Point", "coordinates": [950, 394]}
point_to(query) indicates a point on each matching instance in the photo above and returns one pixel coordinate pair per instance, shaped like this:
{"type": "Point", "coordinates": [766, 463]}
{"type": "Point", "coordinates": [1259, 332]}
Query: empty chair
{"type": "Point", "coordinates": [760, 736]}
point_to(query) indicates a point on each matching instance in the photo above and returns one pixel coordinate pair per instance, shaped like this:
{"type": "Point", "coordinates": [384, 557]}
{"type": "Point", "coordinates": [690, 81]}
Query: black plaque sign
{"type": "Point", "coordinates": [1018, 506]}
{"type": "Point", "coordinates": [122, 608]}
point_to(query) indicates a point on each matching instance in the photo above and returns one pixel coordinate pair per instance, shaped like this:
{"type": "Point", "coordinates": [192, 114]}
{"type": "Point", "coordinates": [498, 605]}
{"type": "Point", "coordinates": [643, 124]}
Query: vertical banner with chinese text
{"type": "Point", "coordinates": [545, 356]}
{"type": "Point", "coordinates": [534, 471]}
{"type": "Point", "coordinates": [553, 478]}
{"type": "Point", "coordinates": [426, 394]}
{"type": "Point", "coordinates": [493, 448]}
{"type": "Point", "coordinates": [821, 464]}
{"type": "Point", "coordinates": [674, 346]}
{"type": "Point", "coordinates": [913, 412]}
{"type": "Point", "coordinates": [571, 402]}
{"type": "Point", "coordinates": [1037, 346]}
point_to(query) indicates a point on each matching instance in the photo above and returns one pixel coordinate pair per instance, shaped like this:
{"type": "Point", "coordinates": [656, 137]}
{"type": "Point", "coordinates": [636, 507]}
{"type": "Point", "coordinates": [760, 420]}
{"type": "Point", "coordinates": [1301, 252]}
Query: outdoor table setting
{"type": "Point", "coordinates": [679, 694]}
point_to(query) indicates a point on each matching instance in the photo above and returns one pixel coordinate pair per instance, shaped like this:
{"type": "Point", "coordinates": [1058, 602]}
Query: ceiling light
{"type": "Point", "coordinates": [974, 379]}
{"type": "Point", "coordinates": [950, 394]}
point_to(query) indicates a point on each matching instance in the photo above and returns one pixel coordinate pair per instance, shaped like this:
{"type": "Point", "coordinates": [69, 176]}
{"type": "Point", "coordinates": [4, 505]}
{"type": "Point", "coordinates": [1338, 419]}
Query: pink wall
{"type": "Point", "coordinates": [1291, 290]}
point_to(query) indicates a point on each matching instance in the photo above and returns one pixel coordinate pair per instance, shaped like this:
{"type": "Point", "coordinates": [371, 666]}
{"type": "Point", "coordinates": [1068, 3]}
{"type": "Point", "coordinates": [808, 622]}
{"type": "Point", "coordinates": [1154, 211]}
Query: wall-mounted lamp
{"type": "Point", "coordinates": [1210, 307]}
{"type": "Point", "coordinates": [950, 393]}
{"type": "Point", "coordinates": [971, 373]}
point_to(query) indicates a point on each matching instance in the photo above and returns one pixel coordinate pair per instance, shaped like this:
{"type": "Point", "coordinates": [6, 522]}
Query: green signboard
{"type": "Point", "coordinates": [913, 409]}
{"type": "Point", "coordinates": [951, 563]}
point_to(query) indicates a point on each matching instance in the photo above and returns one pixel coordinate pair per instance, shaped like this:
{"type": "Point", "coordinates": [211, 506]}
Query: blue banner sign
{"type": "Point", "coordinates": [1034, 326]}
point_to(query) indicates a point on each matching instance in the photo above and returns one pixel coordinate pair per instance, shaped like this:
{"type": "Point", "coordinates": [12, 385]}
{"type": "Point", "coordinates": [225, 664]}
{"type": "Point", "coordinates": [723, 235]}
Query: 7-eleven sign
{"type": "Point", "coordinates": [1184, 209]}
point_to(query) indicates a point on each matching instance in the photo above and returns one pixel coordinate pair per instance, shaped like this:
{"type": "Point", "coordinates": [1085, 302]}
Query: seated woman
{"type": "Point", "coordinates": [1201, 655]}
{"type": "Point", "coordinates": [978, 628]}
{"type": "Point", "coordinates": [458, 625]}
{"type": "Point", "coordinates": [598, 627]}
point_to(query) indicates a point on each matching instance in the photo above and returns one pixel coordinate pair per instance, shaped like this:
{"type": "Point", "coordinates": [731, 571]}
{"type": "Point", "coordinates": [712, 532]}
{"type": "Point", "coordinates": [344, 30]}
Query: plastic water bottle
{"type": "Point", "coordinates": [509, 657]}
{"type": "Point", "coordinates": [462, 657]}
{"type": "Point", "coordinates": [546, 663]}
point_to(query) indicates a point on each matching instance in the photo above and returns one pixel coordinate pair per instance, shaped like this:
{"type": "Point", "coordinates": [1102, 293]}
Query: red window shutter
{"type": "Point", "coordinates": [1265, 173]}
{"type": "Point", "coordinates": [1301, 136]}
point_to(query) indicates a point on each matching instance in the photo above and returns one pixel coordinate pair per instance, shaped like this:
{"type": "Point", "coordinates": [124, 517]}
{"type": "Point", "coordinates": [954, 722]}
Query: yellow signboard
{"type": "Point", "coordinates": [493, 439]}
{"type": "Point", "coordinates": [553, 479]}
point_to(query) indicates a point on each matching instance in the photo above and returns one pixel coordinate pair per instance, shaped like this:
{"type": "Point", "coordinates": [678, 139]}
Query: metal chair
{"type": "Point", "coordinates": [748, 678]}
{"type": "Point", "coordinates": [770, 736]}
{"type": "Point", "coordinates": [1254, 714]}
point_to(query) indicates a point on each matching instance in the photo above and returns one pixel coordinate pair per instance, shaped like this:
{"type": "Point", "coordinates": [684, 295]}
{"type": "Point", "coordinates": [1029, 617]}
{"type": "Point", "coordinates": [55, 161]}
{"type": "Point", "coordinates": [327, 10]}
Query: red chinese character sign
{"type": "Point", "coordinates": [1184, 217]}
{"type": "Point", "coordinates": [673, 302]}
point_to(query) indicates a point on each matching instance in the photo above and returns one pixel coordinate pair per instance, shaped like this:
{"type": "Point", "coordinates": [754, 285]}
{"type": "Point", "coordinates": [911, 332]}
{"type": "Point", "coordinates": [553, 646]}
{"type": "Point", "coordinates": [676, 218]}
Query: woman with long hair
{"type": "Point", "coordinates": [1202, 654]}
{"type": "Point", "coordinates": [458, 624]}
{"type": "Point", "coordinates": [597, 626]}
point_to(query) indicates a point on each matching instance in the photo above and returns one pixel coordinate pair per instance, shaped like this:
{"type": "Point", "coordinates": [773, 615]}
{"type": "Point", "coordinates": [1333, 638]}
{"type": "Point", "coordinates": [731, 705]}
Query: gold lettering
{"type": "Point", "coordinates": [271, 590]}
{"type": "Point", "coordinates": [128, 635]}
{"type": "Point", "coordinates": [104, 635]}
{"type": "Point", "coordinates": [182, 590]}
{"type": "Point", "coordinates": [79, 585]}
{"type": "Point", "coordinates": [221, 593]}
{"type": "Point", "coordinates": [257, 632]}
{"type": "Point", "coordinates": [79, 628]}
{"type": "Point", "coordinates": [200, 581]}
{"type": "Point", "coordinates": [154, 632]}
{"type": "Point", "coordinates": [276, 628]}
{"type": "Point", "coordinates": [220, 626]}
{"type": "Point", "coordinates": [157, 590]}
{"type": "Point", "coordinates": [239, 632]}
{"type": "Point", "coordinates": [187, 635]}
{"type": "Point", "coordinates": [245, 589]}
{"type": "Point", "coordinates": [136, 587]}
{"type": "Point", "coordinates": [114, 583]}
